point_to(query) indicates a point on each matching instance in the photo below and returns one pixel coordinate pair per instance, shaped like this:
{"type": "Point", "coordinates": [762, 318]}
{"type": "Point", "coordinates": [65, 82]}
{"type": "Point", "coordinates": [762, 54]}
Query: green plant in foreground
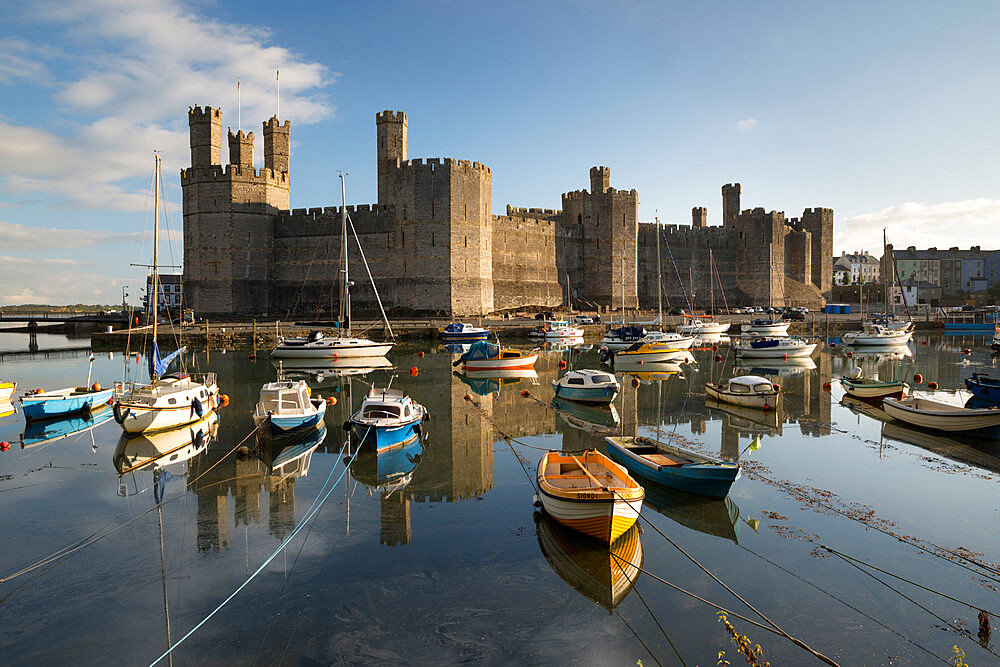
{"type": "Point", "coordinates": [959, 658]}
{"type": "Point", "coordinates": [749, 650]}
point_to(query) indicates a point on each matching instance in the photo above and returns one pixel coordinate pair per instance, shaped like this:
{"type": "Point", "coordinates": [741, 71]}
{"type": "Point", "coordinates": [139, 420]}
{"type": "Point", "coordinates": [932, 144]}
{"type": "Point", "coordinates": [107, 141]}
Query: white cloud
{"type": "Point", "coordinates": [21, 237]}
{"type": "Point", "coordinates": [746, 124]}
{"type": "Point", "coordinates": [55, 281]}
{"type": "Point", "coordinates": [942, 225]}
{"type": "Point", "coordinates": [136, 67]}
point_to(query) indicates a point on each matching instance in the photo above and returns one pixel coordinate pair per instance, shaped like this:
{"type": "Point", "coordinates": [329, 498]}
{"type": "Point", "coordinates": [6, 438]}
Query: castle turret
{"type": "Point", "coordinates": [241, 148]}
{"type": "Point", "coordinates": [206, 135]}
{"type": "Point", "coordinates": [819, 223]}
{"type": "Point", "coordinates": [276, 144]}
{"type": "Point", "coordinates": [730, 204]}
{"type": "Point", "coordinates": [390, 128]}
{"type": "Point", "coordinates": [699, 217]}
{"type": "Point", "coordinates": [600, 179]}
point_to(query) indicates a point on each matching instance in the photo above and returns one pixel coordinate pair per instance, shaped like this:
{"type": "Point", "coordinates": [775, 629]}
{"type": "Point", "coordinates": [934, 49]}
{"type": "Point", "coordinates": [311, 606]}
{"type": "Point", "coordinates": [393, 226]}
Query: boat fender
{"type": "Point", "coordinates": [635, 382]}
{"type": "Point", "coordinates": [426, 418]}
{"type": "Point", "coordinates": [776, 386]}
{"type": "Point", "coordinates": [224, 400]}
{"type": "Point", "coordinates": [416, 428]}
{"type": "Point", "coordinates": [917, 378]}
{"type": "Point", "coordinates": [536, 501]}
{"type": "Point", "coordinates": [826, 386]}
{"type": "Point", "coordinates": [347, 426]}
{"type": "Point", "coordinates": [196, 406]}
{"type": "Point", "coordinates": [199, 439]}
{"type": "Point", "coordinates": [120, 417]}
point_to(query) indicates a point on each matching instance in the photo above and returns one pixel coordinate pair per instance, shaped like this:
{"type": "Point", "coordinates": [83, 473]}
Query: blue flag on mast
{"type": "Point", "coordinates": [158, 366]}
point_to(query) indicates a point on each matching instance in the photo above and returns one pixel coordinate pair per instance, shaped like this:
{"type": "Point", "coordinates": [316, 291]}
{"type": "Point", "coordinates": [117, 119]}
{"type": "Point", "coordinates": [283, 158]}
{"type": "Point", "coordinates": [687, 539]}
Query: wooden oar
{"type": "Point", "coordinates": [587, 473]}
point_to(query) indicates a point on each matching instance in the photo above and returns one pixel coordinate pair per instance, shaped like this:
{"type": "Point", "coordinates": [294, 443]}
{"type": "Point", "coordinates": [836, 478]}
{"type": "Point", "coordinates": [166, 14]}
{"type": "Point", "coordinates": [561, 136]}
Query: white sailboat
{"type": "Point", "coordinates": [318, 346]}
{"type": "Point", "coordinates": [168, 400]}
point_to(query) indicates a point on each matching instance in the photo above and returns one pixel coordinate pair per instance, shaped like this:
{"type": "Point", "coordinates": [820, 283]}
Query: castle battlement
{"type": "Point", "coordinates": [435, 163]}
{"type": "Point", "coordinates": [513, 211]}
{"type": "Point", "coordinates": [273, 122]}
{"type": "Point", "coordinates": [518, 222]}
{"type": "Point", "coordinates": [235, 172]}
{"type": "Point", "coordinates": [204, 113]}
{"type": "Point", "coordinates": [817, 211]}
{"type": "Point", "coordinates": [388, 116]}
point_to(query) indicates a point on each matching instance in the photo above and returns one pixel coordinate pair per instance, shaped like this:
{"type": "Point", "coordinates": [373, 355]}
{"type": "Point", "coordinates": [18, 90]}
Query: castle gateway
{"type": "Point", "coordinates": [434, 247]}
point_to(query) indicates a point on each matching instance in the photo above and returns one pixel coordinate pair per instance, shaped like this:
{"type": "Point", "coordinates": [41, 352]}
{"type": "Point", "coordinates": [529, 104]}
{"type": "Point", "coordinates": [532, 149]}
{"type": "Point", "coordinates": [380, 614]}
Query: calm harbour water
{"type": "Point", "coordinates": [436, 557]}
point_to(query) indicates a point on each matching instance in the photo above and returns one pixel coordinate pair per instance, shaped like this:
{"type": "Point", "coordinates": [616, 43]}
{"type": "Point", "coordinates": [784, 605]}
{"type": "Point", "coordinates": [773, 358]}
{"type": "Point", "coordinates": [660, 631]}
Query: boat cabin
{"type": "Point", "coordinates": [284, 398]}
{"type": "Point", "coordinates": [588, 378]}
{"type": "Point", "coordinates": [749, 384]}
{"type": "Point", "coordinates": [387, 404]}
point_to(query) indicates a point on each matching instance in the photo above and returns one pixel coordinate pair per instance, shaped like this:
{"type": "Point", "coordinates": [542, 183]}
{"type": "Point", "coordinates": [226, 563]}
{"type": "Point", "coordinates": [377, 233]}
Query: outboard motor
{"type": "Point", "coordinates": [315, 336]}
{"type": "Point", "coordinates": [856, 373]}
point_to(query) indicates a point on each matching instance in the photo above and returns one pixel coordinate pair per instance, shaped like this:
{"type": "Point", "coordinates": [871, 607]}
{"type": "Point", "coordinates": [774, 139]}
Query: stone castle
{"type": "Point", "coordinates": [434, 246]}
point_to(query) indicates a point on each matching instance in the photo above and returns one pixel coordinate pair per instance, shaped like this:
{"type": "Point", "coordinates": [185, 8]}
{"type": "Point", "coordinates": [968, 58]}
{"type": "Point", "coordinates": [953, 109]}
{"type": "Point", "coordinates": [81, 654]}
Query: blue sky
{"type": "Point", "coordinates": [885, 112]}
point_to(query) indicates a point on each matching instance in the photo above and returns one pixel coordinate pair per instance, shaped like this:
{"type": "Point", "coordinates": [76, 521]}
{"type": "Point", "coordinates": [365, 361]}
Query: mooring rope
{"type": "Point", "coordinates": [313, 509]}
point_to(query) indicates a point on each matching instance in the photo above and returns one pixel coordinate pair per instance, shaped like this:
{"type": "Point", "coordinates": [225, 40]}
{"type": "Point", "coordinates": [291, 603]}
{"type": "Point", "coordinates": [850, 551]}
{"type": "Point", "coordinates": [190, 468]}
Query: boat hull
{"type": "Point", "coordinates": [463, 337]}
{"type": "Point", "coordinates": [707, 479]}
{"type": "Point", "coordinates": [332, 352]}
{"type": "Point", "coordinates": [292, 422]}
{"type": "Point", "coordinates": [513, 364]}
{"type": "Point", "coordinates": [761, 401]}
{"type": "Point", "coordinates": [927, 414]}
{"type": "Point", "coordinates": [776, 329]}
{"type": "Point", "coordinates": [42, 406]}
{"type": "Point", "coordinates": [603, 519]}
{"type": "Point", "coordinates": [895, 338]}
{"type": "Point", "coordinates": [776, 352]}
{"type": "Point", "coordinates": [594, 395]}
{"type": "Point", "coordinates": [874, 391]}
{"type": "Point", "coordinates": [6, 391]}
{"type": "Point", "coordinates": [142, 418]}
{"type": "Point", "coordinates": [385, 438]}
{"type": "Point", "coordinates": [988, 392]}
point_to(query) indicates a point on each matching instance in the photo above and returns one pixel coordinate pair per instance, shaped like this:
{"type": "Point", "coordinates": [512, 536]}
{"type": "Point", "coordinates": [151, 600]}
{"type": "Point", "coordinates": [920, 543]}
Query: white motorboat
{"type": "Point", "coordinates": [698, 327]}
{"type": "Point", "coordinates": [288, 404]}
{"type": "Point", "coordinates": [671, 338]}
{"type": "Point", "coordinates": [587, 386]}
{"type": "Point", "coordinates": [761, 327]}
{"type": "Point", "coordinates": [316, 345]}
{"type": "Point", "coordinates": [623, 337]}
{"type": "Point", "coordinates": [774, 348]}
{"type": "Point", "coordinates": [561, 332]}
{"type": "Point", "coordinates": [940, 416]}
{"type": "Point", "coordinates": [167, 401]}
{"type": "Point", "coordinates": [750, 391]}
{"type": "Point", "coordinates": [878, 334]}
{"type": "Point", "coordinates": [387, 419]}
{"type": "Point", "coordinates": [642, 352]}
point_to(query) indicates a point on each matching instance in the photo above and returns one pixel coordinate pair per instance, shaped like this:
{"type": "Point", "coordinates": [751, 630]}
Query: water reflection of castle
{"type": "Point", "coordinates": [456, 462]}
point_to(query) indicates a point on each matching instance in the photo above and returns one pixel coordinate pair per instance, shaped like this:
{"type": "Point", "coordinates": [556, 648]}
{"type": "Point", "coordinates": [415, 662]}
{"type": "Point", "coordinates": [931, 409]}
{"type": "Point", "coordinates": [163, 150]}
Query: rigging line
{"type": "Point", "coordinates": [949, 624]}
{"type": "Point", "coordinates": [797, 642]}
{"type": "Point", "coordinates": [636, 635]}
{"type": "Point", "coordinates": [845, 603]}
{"type": "Point", "coordinates": [268, 560]}
{"type": "Point", "coordinates": [374, 288]}
{"type": "Point", "coordinates": [913, 583]}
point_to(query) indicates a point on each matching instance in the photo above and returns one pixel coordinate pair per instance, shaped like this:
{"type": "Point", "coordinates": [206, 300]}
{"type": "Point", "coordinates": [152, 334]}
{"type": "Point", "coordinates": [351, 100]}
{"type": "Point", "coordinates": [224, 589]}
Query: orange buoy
{"type": "Point", "coordinates": [718, 358]}
{"type": "Point", "coordinates": [420, 354]}
{"type": "Point", "coordinates": [4, 446]}
{"type": "Point", "coordinates": [414, 370]}
{"type": "Point", "coordinates": [923, 342]}
{"type": "Point", "coordinates": [827, 386]}
{"type": "Point", "coordinates": [251, 356]}
{"type": "Point", "coordinates": [640, 362]}
{"type": "Point", "coordinates": [766, 407]}
{"type": "Point", "coordinates": [467, 397]}
{"type": "Point", "coordinates": [332, 400]}
{"type": "Point", "coordinates": [849, 353]}
{"type": "Point", "coordinates": [96, 386]}
{"type": "Point", "coordinates": [111, 401]}
{"type": "Point", "coordinates": [635, 382]}
{"type": "Point", "coordinates": [562, 363]}
{"type": "Point", "coordinates": [39, 391]}
{"type": "Point", "coordinates": [967, 351]}
{"type": "Point", "coordinates": [918, 378]}
{"type": "Point", "coordinates": [714, 347]}
{"type": "Point", "coordinates": [224, 400]}
{"type": "Point", "coordinates": [784, 356]}
{"type": "Point", "coordinates": [932, 385]}
{"type": "Point", "coordinates": [526, 393]}
{"type": "Point", "coordinates": [777, 387]}
{"type": "Point", "coordinates": [833, 345]}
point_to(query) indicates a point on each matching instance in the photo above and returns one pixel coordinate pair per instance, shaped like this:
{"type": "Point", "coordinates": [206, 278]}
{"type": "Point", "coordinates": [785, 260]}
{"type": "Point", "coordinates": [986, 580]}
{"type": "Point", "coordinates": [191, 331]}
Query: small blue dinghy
{"type": "Point", "coordinates": [62, 402]}
{"type": "Point", "coordinates": [984, 388]}
{"type": "Point", "coordinates": [672, 466]}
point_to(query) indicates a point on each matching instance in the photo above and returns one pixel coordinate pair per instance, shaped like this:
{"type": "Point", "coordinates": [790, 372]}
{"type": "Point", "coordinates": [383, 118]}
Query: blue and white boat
{"type": "Point", "coordinates": [387, 418]}
{"type": "Point", "coordinates": [587, 386]}
{"type": "Point", "coordinates": [672, 466]}
{"type": "Point", "coordinates": [62, 402]}
{"type": "Point", "coordinates": [289, 453]}
{"type": "Point", "coordinates": [984, 388]}
{"type": "Point", "coordinates": [43, 431]}
{"type": "Point", "coordinates": [289, 405]}
{"type": "Point", "coordinates": [458, 332]}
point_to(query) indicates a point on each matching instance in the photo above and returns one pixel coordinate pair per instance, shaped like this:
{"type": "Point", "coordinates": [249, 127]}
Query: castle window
{"type": "Point", "coordinates": [466, 241]}
{"type": "Point", "coordinates": [404, 211]}
{"type": "Point", "coordinates": [433, 239]}
{"type": "Point", "coordinates": [466, 211]}
{"type": "Point", "coordinates": [432, 210]}
{"type": "Point", "coordinates": [623, 219]}
{"type": "Point", "coordinates": [579, 219]}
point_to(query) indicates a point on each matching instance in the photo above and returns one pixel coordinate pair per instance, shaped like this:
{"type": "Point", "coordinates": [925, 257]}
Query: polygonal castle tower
{"type": "Point", "coordinates": [228, 215]}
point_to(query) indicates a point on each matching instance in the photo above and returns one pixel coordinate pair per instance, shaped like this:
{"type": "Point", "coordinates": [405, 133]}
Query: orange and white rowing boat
{"type": "Point", "coordinates": [590, 493]}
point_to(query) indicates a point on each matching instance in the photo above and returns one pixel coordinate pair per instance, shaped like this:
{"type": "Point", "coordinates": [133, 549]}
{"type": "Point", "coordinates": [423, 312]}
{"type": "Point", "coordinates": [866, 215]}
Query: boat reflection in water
{"type": "Point", "coordinates": [871, 409]}
{"type": "Point", "coordinates": [385, 475]}
{"type": "Point", "coordinates": [603, 574]}
{"type": "Point", "coordinates": [652, 371]}
{"type": "Point", "coordinates": [318, 371]}
{"type": "Point", "coordinates": [970, 450]}
{"type": "Point", "coordinates": [596, 418]}
{"type": "Point", "coordinates": [485, 383]}
{"type": "Point", "coordinates": [780, 367]}
{"type": "Point", "coordinates": [711, 516]}
{"type": "Point", "coordinates": [288, 453]}
{"type": "Point", "coordinates": [6, 409]}
{"type": "Point", "coordinates": [749, 421]}
{"type": "Point", "coordinates": [40, 432]}
{"type": "Point", "coordinates": [881, 352]}
{"type": "Point", "coordinates": [156, 450]}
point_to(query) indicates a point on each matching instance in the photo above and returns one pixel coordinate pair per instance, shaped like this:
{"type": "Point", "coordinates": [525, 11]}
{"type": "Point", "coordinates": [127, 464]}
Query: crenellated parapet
{"type": "Point", "coordinates": [235, 172]}
{"type": "Point", "coordinates": [367, 219]}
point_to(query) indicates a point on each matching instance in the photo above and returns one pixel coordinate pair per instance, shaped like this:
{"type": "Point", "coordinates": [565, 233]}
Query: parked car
{"type": "Point", "coordinates": [545, 315]}
{"type": "Point", "coordinates": [792, 314]}
{"type": "Point", "coordinates": [584, 319]}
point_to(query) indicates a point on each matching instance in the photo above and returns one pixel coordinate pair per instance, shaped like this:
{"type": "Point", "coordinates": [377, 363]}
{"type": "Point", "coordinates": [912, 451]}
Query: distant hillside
{"type": "Point", "coordinates": [44, 308]}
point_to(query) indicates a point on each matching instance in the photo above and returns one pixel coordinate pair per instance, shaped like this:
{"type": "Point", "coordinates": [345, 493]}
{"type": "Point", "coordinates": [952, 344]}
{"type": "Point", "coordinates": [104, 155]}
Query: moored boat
{"type": "Point", "coordinates": [877, 334]}
{"type": "Point", "coordinates": [387, 418]}
{"type": "Point", "coordinates": [642, 352]}
{"type": "Point", "coordinates": [697, 327]}
{"type": "Point", "coordinates": [672, 338]}
{"type": "Point", "coordinates": [61, 402]}
{"type": "Point", "coordinates": [483, 356]}
{"type": "Point", "coordinates": [587, 386]}
{"type": "Point", "coordinates": [762, 327]}
{"type": "Point", "coordinates": [940, 416]}
{"type": "Point", "coordinates": [319, 346]}
{"type": "Point", "coordinates": [459, 332]}
{"type": "Point", "coordinates": [984, 388]}
{"type": "Point", "coordinates": [750, 391]}
{"type": "Point", "coordinates": [288, 404]}
{"type": "Point", "coordinates": [6, 391]}
{"type": "Point", "coordinates": [672, 466]}
{"type": "Point", "coordinates": [872, 389]}
{"type": "Point", "coordinates": [770, 347]}
{"type": "Point", "coordinates": [623, 337]}
{"type": "Point", "coordinates": [590, 493]}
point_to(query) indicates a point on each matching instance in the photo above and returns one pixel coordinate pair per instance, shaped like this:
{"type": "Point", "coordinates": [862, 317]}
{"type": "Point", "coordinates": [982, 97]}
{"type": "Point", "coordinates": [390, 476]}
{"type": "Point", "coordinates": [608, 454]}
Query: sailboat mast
{"type": "Point", "coordinates": [770, 273]}
{"type": "Point", "coordinates": [659, 277]}
{"type": "Point", "coordinates": [711, 283]}
{"type": "Point", "coordinates": [623, 289]}
{"type": "Point", "coordinates": [885, 289]}
{"type": "Point", "coordinates": [156, 241]}
{"type": "Point", "coordinates": [345, 296]}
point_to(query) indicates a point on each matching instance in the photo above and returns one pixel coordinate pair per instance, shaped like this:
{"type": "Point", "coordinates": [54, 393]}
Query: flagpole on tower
{"type": "Point", "coordinates": [277, 95]}
{"type": "Point", "coordinates": [239, 110]}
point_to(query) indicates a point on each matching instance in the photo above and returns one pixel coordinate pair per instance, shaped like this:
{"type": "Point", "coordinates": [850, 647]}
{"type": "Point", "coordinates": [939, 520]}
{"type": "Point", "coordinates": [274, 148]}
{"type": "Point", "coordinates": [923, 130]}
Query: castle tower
{"type": "Point", "coordinates": [699, 217]}
{"type": "Point", "coordinates": [609, 221]}
{"type": "Point", "coordinates": [390, 129]}
{"type": "Point", "coordinates": [206, 136]}
{"type": "Point", "coordinates": [730, 204]}
{"type": "Point", "coordinates": [228, 222]}
{"type": "Point", "coordinates": [277, 138]}
{"type": "Point", "coordinates": [600, 179]}
{"type": "Point", "coordinates": [819, 223]}
{"type": "Point", "coordinates": [241, 148]}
